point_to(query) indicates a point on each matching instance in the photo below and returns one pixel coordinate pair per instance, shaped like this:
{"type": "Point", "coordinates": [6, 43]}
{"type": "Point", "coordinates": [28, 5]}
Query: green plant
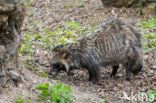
{"type": "Point", "coordinates": [151, 23]}
{"type": "Point", "coordinates": [150, 40]}
{"type": "Point", "coordinates": [26, 46]}
{"type": "Point", "coordinates": [44, 74]}
{"type": "Point", "coordinates": [70, 32]}
{"type": "Point", "coordinates": [28, 3]}
{"type": "Point", "coordinates": [67, 33]}
{"type": "Point", "coordinates": [69, 5]}
{"type": "Point", "coordinates": [103, 102]}
{"type": "Point", "coordinates": [92, 29]}
{"type": "Point", "coordinates": [28, 58]}
{"type": "Point", "coordinates": [81, 3]}
{"type": "Point", "coordinates": [72, 25]}
{"type": "Point", "coordinates": [93, 20]}
{"type": "Point", "coordinates": [19, 99]}
{"type": "Point", "coordinates": [37, 36]}
{"type": "Point", "coordinates": [29, 64]}
{"type": "Point", "coordinates": [49, 33]}
{"type": "Point", "coordinates": [58, 93]}
{"type": "Point", "coordinates": [87, 99]}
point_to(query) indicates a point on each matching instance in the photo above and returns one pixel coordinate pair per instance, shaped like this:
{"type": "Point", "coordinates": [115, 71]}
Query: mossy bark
{"type": "Point", "coordinates": [11, 19]}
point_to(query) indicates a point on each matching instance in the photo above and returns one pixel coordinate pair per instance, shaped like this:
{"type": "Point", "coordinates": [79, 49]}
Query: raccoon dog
{"type": "Point", "coordinates": [114, 42]}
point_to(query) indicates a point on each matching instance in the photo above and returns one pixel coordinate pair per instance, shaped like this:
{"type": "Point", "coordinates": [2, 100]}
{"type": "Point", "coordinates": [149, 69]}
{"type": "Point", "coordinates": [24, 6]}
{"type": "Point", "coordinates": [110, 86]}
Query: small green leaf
{"type": "Point", "coordinates": [55, 96]}
{"type": "Point", "coordinates": [67, 88]}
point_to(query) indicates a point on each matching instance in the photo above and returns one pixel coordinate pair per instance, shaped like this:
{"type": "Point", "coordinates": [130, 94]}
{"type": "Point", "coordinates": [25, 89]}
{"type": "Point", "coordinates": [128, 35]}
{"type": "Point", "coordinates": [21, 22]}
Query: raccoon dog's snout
{"type": "Point", "coordinates": [57, 67]}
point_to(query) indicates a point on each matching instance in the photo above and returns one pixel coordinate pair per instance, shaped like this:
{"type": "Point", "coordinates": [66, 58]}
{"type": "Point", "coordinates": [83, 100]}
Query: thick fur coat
{"type": "Point", "coordinates": [116, 41]}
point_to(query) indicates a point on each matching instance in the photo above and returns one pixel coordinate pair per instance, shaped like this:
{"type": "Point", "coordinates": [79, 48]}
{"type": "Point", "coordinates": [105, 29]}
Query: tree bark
{"type": "Point", "coordinates": [123, 3]}
{"type": "Point", "coordinates": [11, 19]}
{"type": "Point", "coordinates": [147, 7]}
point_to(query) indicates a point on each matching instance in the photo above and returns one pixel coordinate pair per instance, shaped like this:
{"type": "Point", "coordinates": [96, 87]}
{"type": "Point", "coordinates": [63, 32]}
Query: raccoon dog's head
{"type": "Point", "coordinates": [137, 67]}
{"type": "Point", "coordinates": [60, 59]}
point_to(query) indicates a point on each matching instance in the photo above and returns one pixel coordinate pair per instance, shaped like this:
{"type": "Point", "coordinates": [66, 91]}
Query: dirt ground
{"type": "Point", "coordinates": [51, 14]}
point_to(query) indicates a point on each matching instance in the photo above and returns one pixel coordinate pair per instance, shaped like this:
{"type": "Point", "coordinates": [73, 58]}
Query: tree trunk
{"type": "Point", "coordinates": [11, 20]}
{"type": "Point", "coordinates": [123, 3]}
{"type": "Point", "coordinates": [147, 7]}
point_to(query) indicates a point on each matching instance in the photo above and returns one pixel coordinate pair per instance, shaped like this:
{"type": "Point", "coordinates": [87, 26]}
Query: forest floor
{"type": "Point", "coordinates": [46, 16]}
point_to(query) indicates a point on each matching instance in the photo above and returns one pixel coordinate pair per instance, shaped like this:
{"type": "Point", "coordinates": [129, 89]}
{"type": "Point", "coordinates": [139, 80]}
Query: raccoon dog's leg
{"type": "Point", "coordinates": [129, 66]}
{"type": "Point", "coordinates": [114, 71]}
{"type": "Point", "coordinates": [137, 67]}
{"type": "Point", "coordinates": [94, 73]}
